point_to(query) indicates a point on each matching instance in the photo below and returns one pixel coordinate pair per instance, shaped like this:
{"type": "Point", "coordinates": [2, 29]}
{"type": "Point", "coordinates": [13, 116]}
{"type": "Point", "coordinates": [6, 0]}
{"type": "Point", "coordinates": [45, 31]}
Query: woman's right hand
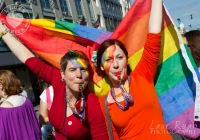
{"type": "Point", "coordinates": [2, 27]}
{"type": "Point", "coordinates": [20, 51]}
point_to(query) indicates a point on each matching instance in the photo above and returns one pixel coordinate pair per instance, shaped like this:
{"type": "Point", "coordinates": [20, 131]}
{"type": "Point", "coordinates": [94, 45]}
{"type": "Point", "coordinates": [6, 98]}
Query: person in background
{"type": "Point", "coordinates": [24, 93]}
{"type": "Point", "coordinates": [37, 89]}
{"type": "Point", "coordinates": [18, 119]}
{"type": "Point", "coordinates": [193, 42]}
{"type": "Point", "coordinates": [192, 39]}
{"type": "Point", "coordinates": [134, 110]}
{"type": "Point", "coordinates": [75, 112]}
{"type": "Point", "coordinates": [46, 99]}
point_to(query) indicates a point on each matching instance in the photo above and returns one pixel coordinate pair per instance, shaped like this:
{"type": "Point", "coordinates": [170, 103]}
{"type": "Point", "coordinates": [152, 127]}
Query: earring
{"type": "Point", "coordinates": [62, 79]}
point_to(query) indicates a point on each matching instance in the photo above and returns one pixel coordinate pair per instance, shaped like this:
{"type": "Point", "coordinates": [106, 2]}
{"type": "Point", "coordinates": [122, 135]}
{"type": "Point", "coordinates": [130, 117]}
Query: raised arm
{"type": "Point", "coordinates": [150, 57]}
{"type": "Point", "coordinates": [156, 15]}
{"type": "Point", "coordinates": [21, 52]}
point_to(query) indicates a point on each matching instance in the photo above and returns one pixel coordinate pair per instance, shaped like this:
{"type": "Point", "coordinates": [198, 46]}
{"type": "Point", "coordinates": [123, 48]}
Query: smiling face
{"type": "Point", "coordinates": [75, 74]}
{"type": "Point", "coordinates": [113, 62]}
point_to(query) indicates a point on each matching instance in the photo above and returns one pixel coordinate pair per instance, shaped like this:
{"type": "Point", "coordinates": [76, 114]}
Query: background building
{"type": "Point", "coordinates": [101, 14]}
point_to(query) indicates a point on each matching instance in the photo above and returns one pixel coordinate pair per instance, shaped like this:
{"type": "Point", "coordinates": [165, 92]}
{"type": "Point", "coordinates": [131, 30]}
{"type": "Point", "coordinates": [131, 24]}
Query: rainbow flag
{"type": "Point", "coordinates": [174, 81]}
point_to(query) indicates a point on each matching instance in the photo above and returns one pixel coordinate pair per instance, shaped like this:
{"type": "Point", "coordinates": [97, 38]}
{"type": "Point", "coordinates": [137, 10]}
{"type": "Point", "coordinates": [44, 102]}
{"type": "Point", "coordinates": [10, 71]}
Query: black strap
{"type": "Point", "coordinates": [108, 119]}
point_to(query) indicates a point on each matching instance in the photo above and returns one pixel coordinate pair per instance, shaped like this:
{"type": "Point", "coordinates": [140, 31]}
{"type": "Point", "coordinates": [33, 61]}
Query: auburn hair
{"type": "Point", "coordinates": [11, 85]}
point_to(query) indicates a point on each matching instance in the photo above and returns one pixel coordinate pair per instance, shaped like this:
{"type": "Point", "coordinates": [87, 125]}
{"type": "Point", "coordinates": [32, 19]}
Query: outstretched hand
{"type": "Point", "coordinates": [2, 27]}
{"type": "Point", "coordinates": [20, 51]}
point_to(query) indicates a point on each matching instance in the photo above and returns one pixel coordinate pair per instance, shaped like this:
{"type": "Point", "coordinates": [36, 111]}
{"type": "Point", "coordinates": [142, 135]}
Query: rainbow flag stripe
{"type": "Point", "coordinates": [174, 81]}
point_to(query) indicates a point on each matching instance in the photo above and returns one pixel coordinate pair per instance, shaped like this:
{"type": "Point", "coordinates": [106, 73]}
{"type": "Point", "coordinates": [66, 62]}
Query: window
{"type": "Point", "coordinates": [108, 6]}
{"type": "Point", "coordinates": [3, 47]}
{"type": "Point", "coordinates": [90, 8]}
{"type": "Point", "coordinates": [27, 15]}
{"type": "Point", "coordinates": [115, 23]}
{"type": "Point", "coordinates": [102, 4]}
{"type": "Point", "coordinates": [67, 20]}
{"type": "Point", "coordinates": [106, 3]}
{"type": "Point", "coordinates": [48, 17]}
{"type": "Point", "coordinates": [21, 1]}
{"type": "Point", "coordinates": [45, 4]}
{"type": "Point", "coordinates": [78, 7]}
{"type": "Point", "coordinates": [64, 6]}
{"type": "Point", "coordinates": [107, 24]}
{"type": "Point", "coordinates": [111, 24]}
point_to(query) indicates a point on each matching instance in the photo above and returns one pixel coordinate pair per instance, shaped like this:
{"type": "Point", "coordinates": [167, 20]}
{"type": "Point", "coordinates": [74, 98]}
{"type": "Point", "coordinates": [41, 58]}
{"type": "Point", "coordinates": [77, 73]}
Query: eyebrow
{"type": "Point", "coordinates": [85, 68]}
{"type": "Point", "coordinates": [119, 55]}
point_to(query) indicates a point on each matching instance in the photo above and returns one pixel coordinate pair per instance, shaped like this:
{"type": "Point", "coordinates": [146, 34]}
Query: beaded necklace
{"type": "Point", "coordinates": [81, 111]}
{"type": "Point", "coordinates": [121, 94]}
{"type": "Point", "coordinates": [128, 99]}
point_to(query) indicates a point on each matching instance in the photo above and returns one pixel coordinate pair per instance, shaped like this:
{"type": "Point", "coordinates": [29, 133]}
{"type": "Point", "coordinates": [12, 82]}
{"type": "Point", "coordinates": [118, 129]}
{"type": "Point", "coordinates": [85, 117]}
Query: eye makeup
{"type": "Point", "coordinates": [81, 64]}
{"type": "Point", "coordinates": [108, 57]}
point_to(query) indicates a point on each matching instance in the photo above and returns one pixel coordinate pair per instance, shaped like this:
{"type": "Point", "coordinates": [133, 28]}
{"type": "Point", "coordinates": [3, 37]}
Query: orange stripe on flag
{"type": "Point", "coordinates": [133, 38]}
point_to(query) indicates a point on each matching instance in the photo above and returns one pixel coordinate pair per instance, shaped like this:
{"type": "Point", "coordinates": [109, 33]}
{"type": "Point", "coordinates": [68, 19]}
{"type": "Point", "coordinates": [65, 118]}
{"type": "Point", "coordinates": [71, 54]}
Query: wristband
{"type": "Point", "coordinates": [3, 33]}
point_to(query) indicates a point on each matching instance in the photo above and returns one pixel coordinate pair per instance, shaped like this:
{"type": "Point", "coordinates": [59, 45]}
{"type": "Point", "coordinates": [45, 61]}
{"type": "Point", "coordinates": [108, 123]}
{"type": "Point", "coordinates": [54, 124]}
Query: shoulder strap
{"type": "Point", "coordinates": [48, 96]}
{"type": "Point", "coordinates": [108, 119]}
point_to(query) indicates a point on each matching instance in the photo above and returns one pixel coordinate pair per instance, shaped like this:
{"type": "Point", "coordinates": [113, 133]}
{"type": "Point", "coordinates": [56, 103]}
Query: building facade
{"type": "Point", "coordinates": [108, 12]}
{"type": "Point", "coordinates": [101, 14]}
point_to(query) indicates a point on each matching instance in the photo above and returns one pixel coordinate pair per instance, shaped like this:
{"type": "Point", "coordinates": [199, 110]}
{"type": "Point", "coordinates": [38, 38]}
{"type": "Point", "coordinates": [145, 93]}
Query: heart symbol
{"type": "Point", "coordinates": [12, 22]}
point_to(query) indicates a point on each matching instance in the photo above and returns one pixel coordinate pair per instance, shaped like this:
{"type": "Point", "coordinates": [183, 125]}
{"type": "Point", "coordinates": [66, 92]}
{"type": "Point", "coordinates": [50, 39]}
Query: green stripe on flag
{"type": "Point", "coordinates": [171, 72]}
{"type": "Point", "coordinates": [65, 25]}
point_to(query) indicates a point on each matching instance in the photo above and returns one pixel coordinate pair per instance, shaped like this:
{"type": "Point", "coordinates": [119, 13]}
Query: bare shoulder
{"type": "Point", "coordinates": [7, 105]}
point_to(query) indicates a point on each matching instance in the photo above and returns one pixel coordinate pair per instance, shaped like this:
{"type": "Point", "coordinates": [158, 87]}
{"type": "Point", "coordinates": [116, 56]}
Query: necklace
{"type": "Point", "coordinates": [128, 99]}
{"type": "Point", "coordinates": [81, 111]}
{"type": "Point", "coordinates": [121, 94]}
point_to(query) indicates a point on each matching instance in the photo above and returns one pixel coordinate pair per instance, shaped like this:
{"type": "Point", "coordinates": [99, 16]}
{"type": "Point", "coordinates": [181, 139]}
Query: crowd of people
{"type": "Point", "coordinates": [69, 110]}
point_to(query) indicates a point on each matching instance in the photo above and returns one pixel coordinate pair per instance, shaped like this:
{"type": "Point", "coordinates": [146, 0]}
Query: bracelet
{"type": "Point", "coordinates": [3, 33]}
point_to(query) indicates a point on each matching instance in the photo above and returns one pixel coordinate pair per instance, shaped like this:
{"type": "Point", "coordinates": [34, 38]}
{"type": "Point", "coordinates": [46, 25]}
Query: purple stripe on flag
{"type": "Point", "coordinates": [184, 124]}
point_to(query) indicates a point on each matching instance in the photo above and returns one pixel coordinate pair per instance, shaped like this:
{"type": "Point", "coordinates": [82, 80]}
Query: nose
{"type": "Point", "coordinates": [115, 64]}
{"type": "Point", "coordinates": [78, 73]}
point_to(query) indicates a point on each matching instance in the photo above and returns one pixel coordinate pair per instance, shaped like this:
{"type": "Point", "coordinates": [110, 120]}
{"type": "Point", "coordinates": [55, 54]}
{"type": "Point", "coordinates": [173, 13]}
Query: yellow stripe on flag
{"type": "Point", "coordinates": [171, 45]}
{"type": "Point", "coordinates": [48, 24]}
